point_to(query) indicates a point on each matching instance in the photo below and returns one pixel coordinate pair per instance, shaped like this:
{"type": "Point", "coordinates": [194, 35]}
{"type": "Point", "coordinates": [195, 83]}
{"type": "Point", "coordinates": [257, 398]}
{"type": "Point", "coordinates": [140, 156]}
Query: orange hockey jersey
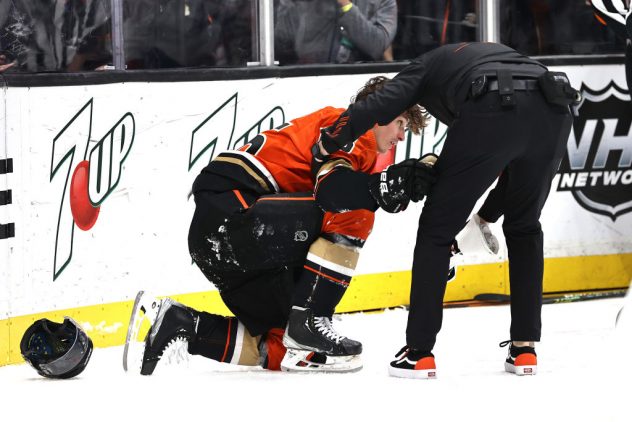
{"type": "Point", "coordinates": [286, 152]}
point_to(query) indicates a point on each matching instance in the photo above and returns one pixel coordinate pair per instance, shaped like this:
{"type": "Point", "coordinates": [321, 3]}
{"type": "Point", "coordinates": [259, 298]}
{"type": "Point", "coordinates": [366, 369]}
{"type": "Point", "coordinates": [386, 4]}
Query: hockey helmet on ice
{"type": "Point", "coordinates": [56, 350]}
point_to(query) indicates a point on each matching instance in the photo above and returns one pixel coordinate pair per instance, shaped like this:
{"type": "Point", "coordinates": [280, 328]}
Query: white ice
{"type": "Point", "coordinates": [583, 375]}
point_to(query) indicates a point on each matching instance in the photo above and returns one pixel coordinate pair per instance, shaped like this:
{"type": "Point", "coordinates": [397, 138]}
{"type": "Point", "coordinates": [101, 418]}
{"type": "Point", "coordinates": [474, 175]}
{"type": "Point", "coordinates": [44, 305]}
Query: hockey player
{"type": "Point", "coordinates": [279, 236]}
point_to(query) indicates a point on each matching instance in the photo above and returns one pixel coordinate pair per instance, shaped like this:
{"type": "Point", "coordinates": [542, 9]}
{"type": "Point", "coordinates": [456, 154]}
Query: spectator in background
{"type": "Point", "coordinates": [232, 20]}
{"type": "Point", "coordinates": [9, 44]}
{"type": "Point", "coordinates": [528, 26]}
{"type": "Point", "coordinates": [43, 35]}
{"type": "Point", "coordinates": [546, 27]}
{"type": "Point", "coordinates": [334, 31]}
{"type": "Point", "coordinates": [577, 32]}
{"type": "Point", "coordinates": [187, 33]}
{"type": "Point", "coordinates": [169, 33]}
{"type": "Point", "coordinates": [4, 65]}
{"type": "Point", "coordinates": [425, 25]}
{"type": "Point", "coordinates": [63, 35]}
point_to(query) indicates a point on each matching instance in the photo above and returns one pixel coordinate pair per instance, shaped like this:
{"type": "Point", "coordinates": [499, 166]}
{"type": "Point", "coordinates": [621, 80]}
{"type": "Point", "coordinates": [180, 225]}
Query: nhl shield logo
{"type": "Point", "coordinates": [597, 168]}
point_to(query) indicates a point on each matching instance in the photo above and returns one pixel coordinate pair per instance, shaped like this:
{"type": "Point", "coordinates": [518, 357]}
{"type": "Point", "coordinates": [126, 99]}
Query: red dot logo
{"type": "Point", "coordinates": [84, 214]}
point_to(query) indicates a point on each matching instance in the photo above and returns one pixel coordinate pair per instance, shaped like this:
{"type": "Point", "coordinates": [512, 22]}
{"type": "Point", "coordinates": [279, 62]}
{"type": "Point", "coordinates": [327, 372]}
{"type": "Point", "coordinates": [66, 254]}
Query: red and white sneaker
{"type": "Point", "coordinates": [413, 363]}
{"type": "Point", "coordinates": [520, 360]}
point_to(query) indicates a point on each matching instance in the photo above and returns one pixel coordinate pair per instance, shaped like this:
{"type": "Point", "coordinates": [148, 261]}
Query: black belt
{"type": "Point", "coordinates": [518, 85]}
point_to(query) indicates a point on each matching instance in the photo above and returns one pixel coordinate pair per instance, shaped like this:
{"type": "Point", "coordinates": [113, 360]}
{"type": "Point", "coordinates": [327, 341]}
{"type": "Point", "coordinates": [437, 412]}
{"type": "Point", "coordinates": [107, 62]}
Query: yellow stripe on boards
{"type": "Point", "coordinates": [4, 342]}
{"type": "Point", "coordinates": [107, 324]}
{"type": "Point", "coordinates": [587, 273]}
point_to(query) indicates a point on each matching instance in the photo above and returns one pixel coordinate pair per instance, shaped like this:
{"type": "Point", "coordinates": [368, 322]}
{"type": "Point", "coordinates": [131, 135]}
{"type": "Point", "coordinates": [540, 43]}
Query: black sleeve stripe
{"type": "Point", "coordinates": [6, 166]}
{"type": "Point", "coordinates": [5, 197]}
{"type": "Point", "coordinates": [255, 145]}
{"type": "Point", "coordinates": [7, 230]}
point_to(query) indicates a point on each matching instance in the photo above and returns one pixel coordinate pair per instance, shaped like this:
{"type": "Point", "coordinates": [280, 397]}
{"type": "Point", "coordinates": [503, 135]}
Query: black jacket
{"type": "Point", "coordinates": [439, 81]}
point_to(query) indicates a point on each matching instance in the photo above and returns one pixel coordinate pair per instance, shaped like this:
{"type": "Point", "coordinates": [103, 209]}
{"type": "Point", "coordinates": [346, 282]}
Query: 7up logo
{"type": "Point", "coordinates": [89, 171]}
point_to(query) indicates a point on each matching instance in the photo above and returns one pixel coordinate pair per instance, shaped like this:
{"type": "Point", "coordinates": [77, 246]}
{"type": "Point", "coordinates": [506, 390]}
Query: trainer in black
{"type": "Point", "coordinates": [308, 332]}
{"type": "Point", "coordinates": [174, 327]}
{"type": "Point", "coordinates": [520, 360]}
{"type": "Point", "coordinates": [413, 363]}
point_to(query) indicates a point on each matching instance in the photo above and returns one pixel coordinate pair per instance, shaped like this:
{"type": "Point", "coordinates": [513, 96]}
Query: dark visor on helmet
{"type": "Point", "coordinates": [56, 350]}
{"type": "Point", "coordinates": [69, 361]}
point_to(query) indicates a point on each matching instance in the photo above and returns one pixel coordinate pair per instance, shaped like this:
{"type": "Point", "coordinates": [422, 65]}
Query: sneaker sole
{"type": "Point", "coordinates": [412, 373]}
{"type": "Point", "coordinates": [521, 370]}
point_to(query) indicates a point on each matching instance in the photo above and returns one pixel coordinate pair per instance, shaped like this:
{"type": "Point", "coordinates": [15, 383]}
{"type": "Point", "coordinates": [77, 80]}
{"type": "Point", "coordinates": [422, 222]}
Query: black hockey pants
{"type": "Point", "coordinates": [253, 249]}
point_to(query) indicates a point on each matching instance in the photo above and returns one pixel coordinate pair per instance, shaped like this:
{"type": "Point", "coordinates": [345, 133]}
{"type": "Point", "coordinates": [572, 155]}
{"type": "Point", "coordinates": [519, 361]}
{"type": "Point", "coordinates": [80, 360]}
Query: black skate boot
{"type": "Point", "coordinates": [306, 332]}
{"type": "Point", "coordinates": [313, 345]}
{"type": "Point", "coordinates": [174, 328]}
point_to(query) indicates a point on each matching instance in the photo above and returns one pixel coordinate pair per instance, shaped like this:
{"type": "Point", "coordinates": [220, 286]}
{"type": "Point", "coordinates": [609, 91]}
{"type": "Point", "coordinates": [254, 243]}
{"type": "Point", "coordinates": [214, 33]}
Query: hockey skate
{"type": "Point", "coordinates": [145, 309]}
{"type": "Point", "coordinates": [520, 360]}
{"type": "Point", "coordinates": [412, 363]}
{"type": "Point", "coordinates": [172, 327]}
{"type": "Point", "coordinates": [313, 345]}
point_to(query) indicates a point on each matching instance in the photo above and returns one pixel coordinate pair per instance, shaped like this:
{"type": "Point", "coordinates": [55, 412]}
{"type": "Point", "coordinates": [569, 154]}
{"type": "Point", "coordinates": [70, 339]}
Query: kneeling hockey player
{"type": "Point", "coordinates": [278, 232]}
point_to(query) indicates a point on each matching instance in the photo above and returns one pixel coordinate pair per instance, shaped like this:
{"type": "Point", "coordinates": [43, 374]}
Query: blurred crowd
{"type": "Point", "coordinates": [75, 35]}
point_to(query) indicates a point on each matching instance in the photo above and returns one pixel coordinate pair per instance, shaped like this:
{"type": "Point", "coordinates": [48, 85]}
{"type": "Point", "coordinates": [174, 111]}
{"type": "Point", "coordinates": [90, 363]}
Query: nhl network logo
{"type": "Point", "coordinates": [597, 168]}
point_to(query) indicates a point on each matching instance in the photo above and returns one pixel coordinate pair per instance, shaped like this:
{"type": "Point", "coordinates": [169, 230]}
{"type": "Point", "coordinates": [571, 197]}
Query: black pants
{"type": "Point", "coordinates": [527, 143]}
{"type": "Point", "coordinates": [253, 249]}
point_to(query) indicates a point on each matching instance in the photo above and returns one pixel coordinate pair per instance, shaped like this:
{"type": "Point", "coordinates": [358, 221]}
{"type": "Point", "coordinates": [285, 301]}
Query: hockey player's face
{"type": "Point", "coordinates": [389, 135]}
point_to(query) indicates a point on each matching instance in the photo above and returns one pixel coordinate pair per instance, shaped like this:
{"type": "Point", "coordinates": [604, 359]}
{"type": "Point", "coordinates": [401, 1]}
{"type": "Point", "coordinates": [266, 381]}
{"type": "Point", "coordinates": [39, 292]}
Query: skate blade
{"type": "Point", "coordinates": [298, 361]}
{"type": "Point", "coordinates": [145, 309]}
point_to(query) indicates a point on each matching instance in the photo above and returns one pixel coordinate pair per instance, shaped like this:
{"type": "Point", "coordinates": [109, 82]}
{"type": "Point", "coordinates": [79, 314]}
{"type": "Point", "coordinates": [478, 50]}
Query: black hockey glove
{"type": "Point", "coordinates": [400, 183]}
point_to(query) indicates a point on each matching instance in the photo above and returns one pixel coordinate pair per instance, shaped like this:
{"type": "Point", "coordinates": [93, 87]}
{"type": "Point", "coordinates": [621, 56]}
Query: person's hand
{"type": "Point", "coordinates": [3, 63]}
{"type": "Point", "coordinates": [424, 177]}
{"type": "Point", "coordinates": [469, 19]}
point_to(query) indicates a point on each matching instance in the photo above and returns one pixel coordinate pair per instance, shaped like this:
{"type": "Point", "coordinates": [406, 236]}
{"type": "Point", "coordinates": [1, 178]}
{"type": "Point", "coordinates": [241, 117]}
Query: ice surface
{"type": "Point", "coordinates": [582, 376]}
